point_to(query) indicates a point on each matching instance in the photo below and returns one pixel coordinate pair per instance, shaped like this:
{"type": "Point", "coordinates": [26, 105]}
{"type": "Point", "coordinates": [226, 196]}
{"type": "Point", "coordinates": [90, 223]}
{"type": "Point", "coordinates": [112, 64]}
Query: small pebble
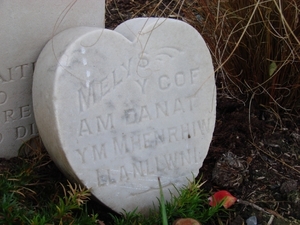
{"type": "Point", "coordinates": [252, 220]}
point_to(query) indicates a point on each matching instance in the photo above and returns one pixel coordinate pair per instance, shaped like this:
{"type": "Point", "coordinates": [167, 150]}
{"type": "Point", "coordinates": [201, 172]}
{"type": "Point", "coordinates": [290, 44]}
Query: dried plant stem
{"type": "Point", "coordinates": [267, 211]}
{"type": "Point", "coordinates": [286, 23]}
{"type": "Point", "coordinates": [241, 37]}
{"type": "Point", "coordinates": [282, 162]}
{"type": "Point", "coordinates": [252, 205]}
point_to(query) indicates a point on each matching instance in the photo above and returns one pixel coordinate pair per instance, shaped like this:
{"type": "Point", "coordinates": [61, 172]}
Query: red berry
{"type": "Point", "coordinates": [225, 196]}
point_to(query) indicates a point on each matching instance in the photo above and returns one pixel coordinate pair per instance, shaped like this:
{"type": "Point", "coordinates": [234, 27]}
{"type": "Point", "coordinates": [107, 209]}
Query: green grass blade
{"type": "Point", "coordinates": [162, 205]}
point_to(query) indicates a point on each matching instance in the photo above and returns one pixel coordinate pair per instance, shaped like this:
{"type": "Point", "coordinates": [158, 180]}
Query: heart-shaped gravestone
{"type": "Point", "coordinates": [118, 109]}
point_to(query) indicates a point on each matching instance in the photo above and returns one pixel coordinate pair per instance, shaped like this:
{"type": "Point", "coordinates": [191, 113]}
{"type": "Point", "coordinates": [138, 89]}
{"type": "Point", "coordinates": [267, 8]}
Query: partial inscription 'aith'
{"type": "Point", "coordinates": [118, 109]}
{"type": "Point", "coordinates": [25, 27]}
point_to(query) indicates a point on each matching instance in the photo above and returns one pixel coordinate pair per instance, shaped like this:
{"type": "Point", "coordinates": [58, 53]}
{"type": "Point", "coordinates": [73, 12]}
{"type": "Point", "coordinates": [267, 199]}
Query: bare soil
{"type": "Point", "coordinates": [264, 168]}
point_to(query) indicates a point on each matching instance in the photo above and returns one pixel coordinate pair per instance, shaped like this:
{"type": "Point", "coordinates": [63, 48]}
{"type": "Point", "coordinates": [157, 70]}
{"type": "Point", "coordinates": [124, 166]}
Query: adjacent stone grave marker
{"type": "Point", "coordinates": [25, 27]}
{"type": "Point", "coordinates": [118, 109]}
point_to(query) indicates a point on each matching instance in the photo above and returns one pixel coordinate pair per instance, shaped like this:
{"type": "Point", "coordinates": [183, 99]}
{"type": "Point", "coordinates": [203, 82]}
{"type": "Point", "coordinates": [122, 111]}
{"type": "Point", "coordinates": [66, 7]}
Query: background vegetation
{"type": "Point", "coordinates": [256, 48]}
{"type": "Point", "coordinates": [255, 44]}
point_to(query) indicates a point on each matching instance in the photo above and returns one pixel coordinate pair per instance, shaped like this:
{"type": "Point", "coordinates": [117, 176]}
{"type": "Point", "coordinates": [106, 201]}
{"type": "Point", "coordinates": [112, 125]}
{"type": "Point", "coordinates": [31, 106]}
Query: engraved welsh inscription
{"type": "Point", "coordinates": [126, 107]}
{"type": "Point", "coordinates": [124, 130]}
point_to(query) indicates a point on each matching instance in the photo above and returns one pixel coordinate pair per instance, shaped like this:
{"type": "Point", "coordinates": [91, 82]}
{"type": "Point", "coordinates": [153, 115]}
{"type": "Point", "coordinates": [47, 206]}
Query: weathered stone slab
{"type": "Point", "coordinates": [25, 27]}
{"type": "Point", "coordinates": [118, 109]}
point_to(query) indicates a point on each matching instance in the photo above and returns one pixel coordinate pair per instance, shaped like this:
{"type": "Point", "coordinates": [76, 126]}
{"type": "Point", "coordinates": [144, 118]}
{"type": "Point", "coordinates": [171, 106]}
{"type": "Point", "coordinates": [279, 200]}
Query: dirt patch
{"type": "Point", "coordinates": [269, 151]}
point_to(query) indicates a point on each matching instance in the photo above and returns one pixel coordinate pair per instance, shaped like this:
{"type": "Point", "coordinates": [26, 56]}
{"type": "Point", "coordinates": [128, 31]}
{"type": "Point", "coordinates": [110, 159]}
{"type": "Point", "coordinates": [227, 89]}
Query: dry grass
{"type": "Point", "coordinates": [255, 44]}
{"type": "Point", "coordinates": [256, 48]}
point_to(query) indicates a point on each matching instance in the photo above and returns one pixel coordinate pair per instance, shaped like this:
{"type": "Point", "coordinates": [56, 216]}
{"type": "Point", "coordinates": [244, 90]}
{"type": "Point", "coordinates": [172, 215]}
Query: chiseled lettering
{"type": "Point", "coordinates": [21, 132]}
{"type": "Point", "coordinates": [136, 142]}
{"type": "Point", "coordinates": [91, 94]}
{"type": "Point", "coordinates": [99, 153]}
{"type": "Point", "coordinates": [27, 70]}
{"type": "Point", "coordinates": [177, 159]}
{"type": "Point", "coordinates": [158, 164]}
{"type": "Point", "coordinates": [192, 102]}
{"type": "Point", "coordinates": [96, 125]}
{"type": "Point", "coordinates": [118, 73]}
{"type": "Point", "coordinates": [202, 125]}
{"type": "Point", "coordinates": [185, 131]}
{"type": "Point", "coordinates": [123, 174]}
{"type": "Point", "coordinates": [178, 108]}
{"type": "Point", "coordinates": [142, 85]}
{"type": "Point", "coordinates": [171, 160]}
{"type": "Point", "coordinates": [159, 137]}
{"type": "Point", "coordinates": [159, 110]}
{"type": "Point", "coordinates": [148, 139]}
{"type": "Point", "coordinates": [9, 115]}
{"type": "Point", "coordinates": [126, 67]}
{"type": "Point", "coordinates": [104, 177]}
{"type": "Point", "coordinates": [153, 138]}
{"type": "Point", "coordinates": [86, 96]}
{"type": "Point", "coordinates": [148, 167]}
{"type": "Point", "coordinates": [3, 97]}
{"type": "Point", "coordinates": [25, 111]}
{"type": "Point", "coordinates": [82, 154]}
{"type": "Point", "coordinates": [130, 116]}
{"type": "Point", "coordinates": [4, 79]}
{"type": "Point", "coordinates": [164, 82]}
{"type": "Point", "coordinates": [162, 107]}
{"type": "Point", "coordinates": [146, 164]}
{"type": "Point", "coordinates": [33, 129]}
{"type": "Point", "coordinates": [120, 146]}
{"type": "Point", "coordinates": [104, 87]}
{"type": "Point", "coordinates": [172, 131]}
{"type": "Point", "coordinates": [179, 79]}
{"type": "Point", "coordinates": [138, 169]}
{"type": "Point", "coordinates": [145, 115]}
{"type": "Point", "coordinates": [196, 154]}
{"type": "Point", "coordinates": [84, 128]}
{"type": "Point", "coordinates": [26, 131]}
{"type": "Point", "coordinates": [105, 126]}
{"type": "Point", "coordinates": [142, 168]}
{"type": "Point", "coordinates": [200, 156]}
{"type": "Point", "coordinates": [143, 60]}
{"type": "Point", "coordinates": [195, 75]}
{"type": "Point", "coordinates": [186, 157]}
{"type": "Point", "coordinates": [95, 152]}
{"type": "Point", "coordinates": [18, 72]}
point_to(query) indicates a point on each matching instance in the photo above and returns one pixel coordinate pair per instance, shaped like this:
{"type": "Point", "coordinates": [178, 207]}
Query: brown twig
{"type": "Point", "coordinates": [282, 162]}
{"type": "Point", "coordinates": [252, 205]}
{"type": "Point", "coordinates": [267, 211]}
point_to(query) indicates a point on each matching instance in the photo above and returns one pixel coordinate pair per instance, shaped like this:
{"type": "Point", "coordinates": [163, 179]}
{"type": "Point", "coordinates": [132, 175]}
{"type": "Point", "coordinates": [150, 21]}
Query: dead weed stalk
{"type": "Point", "coordinates": [256, 48]}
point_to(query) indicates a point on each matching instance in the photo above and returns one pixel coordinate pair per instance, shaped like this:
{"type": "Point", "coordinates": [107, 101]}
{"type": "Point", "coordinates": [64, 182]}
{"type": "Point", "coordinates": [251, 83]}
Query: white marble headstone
{"type": "Point", "coordinates": [118, 109]}
{"type": "Point", "coordinates": [25, 27]}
